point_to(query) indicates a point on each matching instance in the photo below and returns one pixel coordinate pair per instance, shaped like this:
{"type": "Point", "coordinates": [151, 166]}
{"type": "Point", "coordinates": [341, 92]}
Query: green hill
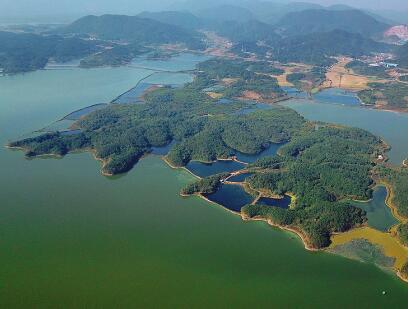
{"type": "Point", "coordinates": [316, 48]}
{"type": "Point", "coordinates": [132, 28]}
{"type": "Point", "coordinates": [248, 31]}
{"type": "Point", "coordinates": [310, 21]}
{"type": "Point", "coordinates": [20, 52]}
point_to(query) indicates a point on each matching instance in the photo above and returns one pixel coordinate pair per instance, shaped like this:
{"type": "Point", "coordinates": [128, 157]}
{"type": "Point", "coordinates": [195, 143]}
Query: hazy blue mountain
{"type": "Point", "coordinates": [310, 21]}
{"type": "Point", "coordinates": [182, 19]}
{"type": "Point", "coordinates": [248, 31]}
{"type": "Point", "coordinates": [398, 17]}
{"type": "Point", "coordinates": [225, 12]}
{"type": "Point", "coordinates": [271, 12]}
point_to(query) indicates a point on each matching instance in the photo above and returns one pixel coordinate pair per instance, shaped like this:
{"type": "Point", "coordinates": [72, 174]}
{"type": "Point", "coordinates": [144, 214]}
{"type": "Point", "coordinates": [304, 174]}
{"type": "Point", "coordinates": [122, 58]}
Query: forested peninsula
{"type": "Point", "coordinates": [323, 166]}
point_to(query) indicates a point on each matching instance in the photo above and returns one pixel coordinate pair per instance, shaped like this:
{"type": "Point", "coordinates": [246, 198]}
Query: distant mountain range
{"type": "Point", "coordinates": [310, 21]}
{"type": "Point", "coordinates": [225, 12]}
{"type": "Point", "coordinates": [185, 20]}
{"type": "Point", "coordinates": [301, 32]}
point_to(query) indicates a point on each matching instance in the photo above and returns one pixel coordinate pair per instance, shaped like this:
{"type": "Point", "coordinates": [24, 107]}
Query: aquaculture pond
{"type": "Point", "coordinates": [71, 238]}
{"type": "Point", "coordinates": [206, 169]}
{"type": "Point", "coordinates": [232, 197]}
{"type": "Point", "coordinates": [379, 214]}
{"type": "Point", "coordinates": [276, 202]}
{"type": "Point", "coordinates": [84, 111]}
{"type": "Point", "coordinates": [133, 95]}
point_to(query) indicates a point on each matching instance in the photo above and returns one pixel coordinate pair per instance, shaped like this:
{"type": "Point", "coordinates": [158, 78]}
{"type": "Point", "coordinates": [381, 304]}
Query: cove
{"type": "Point", "coordinates": [163, 150]}
{"type": "Point", "coordinates": [232, 197]}
{"type": "Point", "coordinates": [271, 150]}
{"type": "Point", "coordinates": [239, 177]}
{"type": "Point", "coordinates": [379, 214]}
{"type": "Point", "coordinates": [337, 96]}
{"type": "Point", "coordinates": [207, 169]}
{"type": "Point", "coordinates": [274, 202]}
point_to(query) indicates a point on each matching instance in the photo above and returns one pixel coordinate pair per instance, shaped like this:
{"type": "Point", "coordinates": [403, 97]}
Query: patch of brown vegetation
{"type": "Point", "coordinates": [340, 77]}
{"type": "Point", "coordinates": [229, 81]}
{"type": "Point", "coordinates": [251, 95]}
{"type": "Point", "coordinates": [289, 69]}
{"type": "Point", "coordinates": [214, 95]}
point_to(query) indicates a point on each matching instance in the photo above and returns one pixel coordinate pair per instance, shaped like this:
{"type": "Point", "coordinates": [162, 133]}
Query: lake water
{"type": "Point", "coordinates": [337, 96]}
{"type": "Point", "coordinates": [378, 213]}
{"type": "Point", "coordinates": [240, 177]}
{"type": "Point", "coordinates": [232, 197]}
{"type": "Point", "coordinates": [70, 237]}
{"type": "Point", "coordinates": [391, 126]}
{"type": "Point", "coordinates": [270, 151]}
{"type": "Point", "coordinates": [205, 169]}
{"type": "Point", "coordinates": [273, 202]}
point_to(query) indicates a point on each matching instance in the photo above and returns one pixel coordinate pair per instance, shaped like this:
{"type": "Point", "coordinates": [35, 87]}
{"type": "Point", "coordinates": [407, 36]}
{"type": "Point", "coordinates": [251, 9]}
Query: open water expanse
{"type": "Point", "coordinates": [70, 237]}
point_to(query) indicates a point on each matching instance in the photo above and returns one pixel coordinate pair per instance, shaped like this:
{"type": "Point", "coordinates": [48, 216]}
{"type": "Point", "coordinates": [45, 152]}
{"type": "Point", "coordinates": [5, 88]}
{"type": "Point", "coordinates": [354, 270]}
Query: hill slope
{"type": "Point", "coordinates": [248, 31]}
{"type": "Point", "coordinates": [132, 28]}
{"type": "Point", "coordinates": [310, 21]}
{"type": "Point", "coordinates": [20, 52]}
{"type": "Point", "coordinates": [185, 20]}
{"type": "Point", "coordinates": [315, 48]}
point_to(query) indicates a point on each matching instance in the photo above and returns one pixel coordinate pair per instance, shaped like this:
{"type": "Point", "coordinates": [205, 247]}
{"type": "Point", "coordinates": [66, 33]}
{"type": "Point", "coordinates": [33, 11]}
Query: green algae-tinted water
{"type": "Point", "coordinates": [72, 238]}
{"type": "Point", "coordinates": [379, 215]}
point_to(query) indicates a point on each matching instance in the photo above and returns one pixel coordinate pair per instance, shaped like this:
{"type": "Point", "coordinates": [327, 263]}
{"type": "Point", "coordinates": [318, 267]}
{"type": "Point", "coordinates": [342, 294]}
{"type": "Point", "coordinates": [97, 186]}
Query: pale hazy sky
{"type": "Point", "coordinates": [81, 7]}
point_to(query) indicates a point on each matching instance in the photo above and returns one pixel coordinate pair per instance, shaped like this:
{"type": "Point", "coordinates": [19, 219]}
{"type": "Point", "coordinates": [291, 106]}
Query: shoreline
{"type": "Point", "coordinates": [294, 230]}
{"type": "Point", "coordinates": [389, 202]}
{"type": "Point", "coordinates": [164, 158]}
{"type": "Point", "coordinates": [361, 105]}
